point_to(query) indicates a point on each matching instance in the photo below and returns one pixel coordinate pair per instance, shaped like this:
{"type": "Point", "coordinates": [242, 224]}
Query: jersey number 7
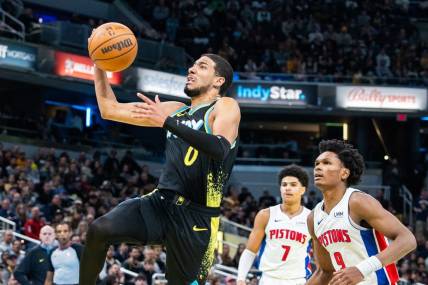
{"type": "Point", "coordinates": [286, 252]}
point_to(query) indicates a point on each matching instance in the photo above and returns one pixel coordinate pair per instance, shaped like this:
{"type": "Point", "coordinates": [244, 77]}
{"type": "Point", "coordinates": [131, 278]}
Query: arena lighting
{"type": "Point", "coordinates": [424, 118]}
{"type": "Point", "coordinates": [345, 131]}
{"type": "Point", "coordinates": [86, 109]}
{"type": "Point", "coordinates": [88, 117]}
{"type": "Point", "coordinates": [386, 157]}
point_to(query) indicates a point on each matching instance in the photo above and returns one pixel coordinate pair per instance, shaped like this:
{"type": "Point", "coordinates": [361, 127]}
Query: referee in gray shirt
{"type": "Point", "coordinates": [64, 260]}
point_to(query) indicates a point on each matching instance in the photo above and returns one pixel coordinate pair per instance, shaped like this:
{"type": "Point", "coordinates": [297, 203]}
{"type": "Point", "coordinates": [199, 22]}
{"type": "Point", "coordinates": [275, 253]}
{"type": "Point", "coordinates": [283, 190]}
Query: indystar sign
{"type": "Point", "coordinates": [271, 93]}
{"type": "Point", "coordinates": [381, 98]}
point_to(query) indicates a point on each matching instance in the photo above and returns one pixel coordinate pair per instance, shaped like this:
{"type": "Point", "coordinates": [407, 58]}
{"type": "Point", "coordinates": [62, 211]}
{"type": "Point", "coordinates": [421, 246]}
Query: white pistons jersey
{"type": "Point", "coordinates": [284, 253]}
{"type": "Point", "coordinates": [349, 243]}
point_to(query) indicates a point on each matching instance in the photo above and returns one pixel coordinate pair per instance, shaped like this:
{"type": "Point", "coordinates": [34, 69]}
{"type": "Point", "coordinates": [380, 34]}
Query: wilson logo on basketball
{"type": "Point", "coordinates": [117, 46]}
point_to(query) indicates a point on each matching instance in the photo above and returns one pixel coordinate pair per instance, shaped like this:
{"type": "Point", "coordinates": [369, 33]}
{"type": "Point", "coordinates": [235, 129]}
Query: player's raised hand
{"type": "Point", "coordinates": [347, 276]}
{"type": "Point", "coordinates": [150, 110]}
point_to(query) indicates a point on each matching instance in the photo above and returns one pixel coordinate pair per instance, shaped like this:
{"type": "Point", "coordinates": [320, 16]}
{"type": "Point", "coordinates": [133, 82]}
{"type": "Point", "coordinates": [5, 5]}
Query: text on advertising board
{"type": "Point", "coordinates": [80, 67]}
{"type": "Point", "coordinates": [269, 93]}
{"type": "Point", "coordinates": [381, 97]}
{"type": "Point", "coordinates": [161, 82]}
{"type": "Point", "coordinates": [17, 55]}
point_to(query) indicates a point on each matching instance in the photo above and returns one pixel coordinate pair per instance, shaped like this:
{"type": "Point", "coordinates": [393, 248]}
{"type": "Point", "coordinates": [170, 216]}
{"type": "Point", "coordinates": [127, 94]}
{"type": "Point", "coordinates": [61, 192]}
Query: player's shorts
{"type": "Point", "coordinates": [266, 280]}
{"type": "Point", "coordinates": [188, 230]}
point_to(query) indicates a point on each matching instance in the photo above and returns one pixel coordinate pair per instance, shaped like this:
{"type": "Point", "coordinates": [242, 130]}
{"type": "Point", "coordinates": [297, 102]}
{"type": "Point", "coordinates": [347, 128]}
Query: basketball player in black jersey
{"type": "Point", "coordinates": [183, 212]}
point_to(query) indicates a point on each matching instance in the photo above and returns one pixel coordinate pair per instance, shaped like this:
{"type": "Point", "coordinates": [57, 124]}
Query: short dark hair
{"type": "Point", "coordinates": [63, 223]}
{"type": "Point", "coordinates": [222, 69]}
{"type": "Point", "coordinates": [348, 155]}
{"type": "Point", "coordinates": [294, 171]}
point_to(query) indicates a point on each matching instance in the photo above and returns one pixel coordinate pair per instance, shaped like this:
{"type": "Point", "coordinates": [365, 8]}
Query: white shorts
{"type": "Point", "coordinates": [266, 280]}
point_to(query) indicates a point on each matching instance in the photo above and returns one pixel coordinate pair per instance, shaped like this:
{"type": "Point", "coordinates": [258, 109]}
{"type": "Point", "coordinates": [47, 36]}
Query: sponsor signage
{"type": "Point", "coordinates": [161, 82]}
{"type": "Point", "coordinates": [274, 93]}
{"type": "Point", "coordinates": [17, 55]}
{"type": "Point", "coordinates": [77, 66]}
{"type": "Point", "coordinates": [381, 98]}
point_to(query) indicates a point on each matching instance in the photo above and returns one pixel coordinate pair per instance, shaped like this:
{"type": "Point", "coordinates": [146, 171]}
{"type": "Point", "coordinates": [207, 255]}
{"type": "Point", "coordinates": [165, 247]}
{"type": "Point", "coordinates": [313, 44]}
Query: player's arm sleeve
{"type": "Point", "coordinates": [215, 146]}
{"type": "Point", "coordinates": [245, 263]}
{"type": "Point", "coordinates": [23, 269]}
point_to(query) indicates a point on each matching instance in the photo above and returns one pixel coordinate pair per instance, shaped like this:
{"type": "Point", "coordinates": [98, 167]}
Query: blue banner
{"type": "Point", "coordinates": [268, 93]}
{"type": "Point", "coordinates": [17, 55]}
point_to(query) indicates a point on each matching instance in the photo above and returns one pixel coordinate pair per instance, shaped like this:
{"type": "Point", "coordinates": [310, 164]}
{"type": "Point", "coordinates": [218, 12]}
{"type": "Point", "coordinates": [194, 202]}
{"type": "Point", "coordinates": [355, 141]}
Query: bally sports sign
{"type": "Point", "coordinates": [381, 98]}
{"type": "Point", "coordinates": [77, 66]}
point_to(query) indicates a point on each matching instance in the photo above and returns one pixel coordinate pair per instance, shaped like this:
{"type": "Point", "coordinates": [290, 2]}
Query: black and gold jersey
{"type": "Point", "coordinates": [190, 172]}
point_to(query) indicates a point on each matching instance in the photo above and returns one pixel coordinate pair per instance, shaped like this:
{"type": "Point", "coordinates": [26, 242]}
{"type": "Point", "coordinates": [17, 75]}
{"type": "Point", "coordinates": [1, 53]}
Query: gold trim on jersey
{"type": "Point", "coordinates": [178, 112]}
{"type": "Point", "coordinates": [206, 120]}
{"type": "Point", "coordinates": [208, 258]}
{"type": "Point", "coordinates": [197, 107]}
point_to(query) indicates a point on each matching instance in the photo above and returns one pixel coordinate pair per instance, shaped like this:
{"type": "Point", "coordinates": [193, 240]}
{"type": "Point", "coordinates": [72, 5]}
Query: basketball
{"type": "Point", "coordinates": [112, 47]}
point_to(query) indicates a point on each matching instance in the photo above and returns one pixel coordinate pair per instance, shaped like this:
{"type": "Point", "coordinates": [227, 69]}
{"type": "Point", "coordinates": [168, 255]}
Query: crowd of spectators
{"type": "Point", "coordinates": [324, 40]}
{"type": "Point", "coordinates": [354, 39]}
{"type": "Point", "coordinates": [48, 188]}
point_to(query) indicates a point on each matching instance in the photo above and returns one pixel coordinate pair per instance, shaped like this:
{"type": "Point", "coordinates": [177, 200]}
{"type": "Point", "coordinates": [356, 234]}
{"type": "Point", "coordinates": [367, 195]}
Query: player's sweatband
{"type": "Point", "coordinates": [369, 265]}
{"type": "Point", "coordinates": [215, 146]}
{"type": "Point", "coordinates": [245, 263]}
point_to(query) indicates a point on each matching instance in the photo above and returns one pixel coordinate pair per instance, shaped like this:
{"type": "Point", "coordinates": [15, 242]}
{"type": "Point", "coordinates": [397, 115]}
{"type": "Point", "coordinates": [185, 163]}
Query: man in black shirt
{"type": "Point", "coordinates": [33, 268]}
{"type": "Point", "coordinates": [183, 213]}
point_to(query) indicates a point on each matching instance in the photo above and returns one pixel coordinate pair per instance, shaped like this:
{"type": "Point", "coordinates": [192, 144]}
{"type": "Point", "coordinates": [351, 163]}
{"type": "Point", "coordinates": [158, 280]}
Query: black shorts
{"type": "Point", "coordinates": [189, 232]}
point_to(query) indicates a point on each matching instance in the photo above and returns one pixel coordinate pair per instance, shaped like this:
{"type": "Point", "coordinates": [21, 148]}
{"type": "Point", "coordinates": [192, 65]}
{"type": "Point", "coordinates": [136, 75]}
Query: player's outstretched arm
{"type": "Point", "coordinates": [364, 207]}
{"type": "Point", "coordinates": [253, 245]}
{"type": "Point", "coordinates": [225, 123]}
{"type": "Point", "coordinates": [325, 269]}
{"type": "Point", "coordinates": [111, 109]}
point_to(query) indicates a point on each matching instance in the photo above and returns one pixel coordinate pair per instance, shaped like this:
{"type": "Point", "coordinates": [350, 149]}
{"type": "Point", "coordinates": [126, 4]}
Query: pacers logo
{"type": "Point", "coordinates": [117, 46]}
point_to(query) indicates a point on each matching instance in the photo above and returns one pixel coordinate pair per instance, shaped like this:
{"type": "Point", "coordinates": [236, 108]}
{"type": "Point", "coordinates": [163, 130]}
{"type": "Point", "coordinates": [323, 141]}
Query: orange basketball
{"type": "Point", "coordinates": [112, 46]}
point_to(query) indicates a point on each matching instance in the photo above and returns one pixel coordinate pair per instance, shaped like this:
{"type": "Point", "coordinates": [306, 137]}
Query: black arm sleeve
{"type": "Point", "coordinates": [215, 146]}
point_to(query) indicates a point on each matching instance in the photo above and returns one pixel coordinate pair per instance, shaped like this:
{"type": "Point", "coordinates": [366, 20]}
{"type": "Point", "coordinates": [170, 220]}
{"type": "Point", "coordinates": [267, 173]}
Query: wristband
{"type": "Point", "coordinates": [245, 263]}
{"type": "Point", "coordinates": [369, 265]}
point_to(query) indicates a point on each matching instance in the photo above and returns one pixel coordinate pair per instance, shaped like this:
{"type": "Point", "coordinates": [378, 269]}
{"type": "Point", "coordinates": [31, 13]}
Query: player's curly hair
{"type": "Point", "coordinates": [294, 171]}
{"type": "Point", "coordinates": [348, 155]}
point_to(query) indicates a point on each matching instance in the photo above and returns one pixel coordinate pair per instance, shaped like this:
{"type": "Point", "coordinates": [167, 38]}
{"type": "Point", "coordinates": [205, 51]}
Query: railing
{"type": "Point", "coordinates": [19, 6]}
{"type": "Point", "coordinates": [407, 205]}
{"type": "Point", "coordinates": [6, 224]}
{"type": "Point", "coordinates": [234, 228]}
{"type": "Point", "coordinates": [12, 25]}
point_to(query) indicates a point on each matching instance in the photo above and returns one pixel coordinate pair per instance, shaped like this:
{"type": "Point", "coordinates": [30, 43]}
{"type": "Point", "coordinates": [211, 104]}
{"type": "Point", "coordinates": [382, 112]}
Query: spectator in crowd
{"type": "Point", "coordinates": [33, 268]}
{"type": "Point", "coordinates": [110, 260]}
{"type": "Point", "coordinates": [9, 261]}
{"type": "Point", "coordinates": [140, 280]}
{"type": "Point", "coordinates": [6, 244]}
{"type": "Point", "coordinates": [226, 259]}
{"type": "Point", "coordinates": [16, 250]}
{"type": "Point", "coordinates": [64, 260]}
{"type": "Point", "coordinates": [33, 225]}
{"type": "Point", "coordinates": [134, 263]}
